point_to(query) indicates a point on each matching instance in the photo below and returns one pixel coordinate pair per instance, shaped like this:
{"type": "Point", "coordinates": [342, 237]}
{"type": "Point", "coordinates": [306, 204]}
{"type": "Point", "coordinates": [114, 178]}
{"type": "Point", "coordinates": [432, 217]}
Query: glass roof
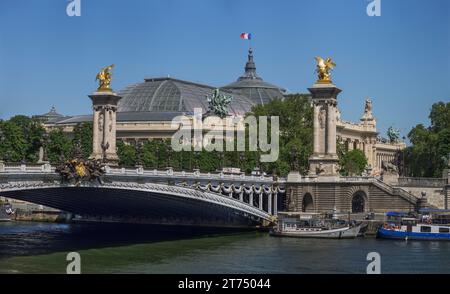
{"type": "Point", "coordinates": [168, 94]}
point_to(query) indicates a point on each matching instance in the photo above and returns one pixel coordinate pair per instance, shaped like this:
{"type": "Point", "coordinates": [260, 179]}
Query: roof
{"type": "Point", "coordinates": [253, 86]}
{"type": "Point", "coordinates": [52, 115]}
{"type": "Point", "coordinates": [126, 117]}
{"type": "Point", "coordinates": [174, 95]}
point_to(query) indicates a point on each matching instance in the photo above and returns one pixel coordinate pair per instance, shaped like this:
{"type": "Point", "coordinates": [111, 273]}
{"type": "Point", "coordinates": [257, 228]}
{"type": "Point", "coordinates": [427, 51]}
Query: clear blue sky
{"type": "Point", "coordinates": [400, 59]}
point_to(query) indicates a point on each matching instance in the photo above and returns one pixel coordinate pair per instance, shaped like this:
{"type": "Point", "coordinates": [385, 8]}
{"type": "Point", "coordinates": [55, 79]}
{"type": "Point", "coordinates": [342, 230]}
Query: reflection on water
{"type": "Point", "coordinates": [113, 248]}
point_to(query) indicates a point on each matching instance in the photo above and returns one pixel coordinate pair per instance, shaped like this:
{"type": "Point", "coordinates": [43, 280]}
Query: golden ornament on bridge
{"type": "Point", "coordinates": [104, 77]}
{"type": "Point", "coordinates": [324, 68]}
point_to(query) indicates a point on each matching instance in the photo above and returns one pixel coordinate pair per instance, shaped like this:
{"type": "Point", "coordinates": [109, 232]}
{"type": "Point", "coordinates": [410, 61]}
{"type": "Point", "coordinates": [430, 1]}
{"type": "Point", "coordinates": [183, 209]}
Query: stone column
{"type": "Point", "coordinates": [250, 199]}
{"type": "Point", "coordinates": [325, 161]}
{"type": "Point", "coordinates": [260, 201]}
{"type": "Point", "coordinates": [331, 128]}
{"type": "Point", "coordinates": [316, 129]}
{"type": "Point", "coordinates": [275, 203]}
{"type": "Point", "coordinates": [269, 203]}
{"type": "Point", "coordinates": [104, 127]}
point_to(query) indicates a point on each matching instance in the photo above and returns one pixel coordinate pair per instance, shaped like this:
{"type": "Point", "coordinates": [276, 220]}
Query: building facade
{"type": "Point", "coordinates": [146, 111]}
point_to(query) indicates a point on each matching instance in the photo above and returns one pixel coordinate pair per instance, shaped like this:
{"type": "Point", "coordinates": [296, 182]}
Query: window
{"type": "Point", "coordinates": [444, 230]}
{"type": "Point", "coordinates": [425, 229]}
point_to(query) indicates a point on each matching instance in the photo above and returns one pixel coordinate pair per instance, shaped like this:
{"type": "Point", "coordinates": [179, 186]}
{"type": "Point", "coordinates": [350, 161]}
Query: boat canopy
{"type": "Point", "coordinates": [397, 213]}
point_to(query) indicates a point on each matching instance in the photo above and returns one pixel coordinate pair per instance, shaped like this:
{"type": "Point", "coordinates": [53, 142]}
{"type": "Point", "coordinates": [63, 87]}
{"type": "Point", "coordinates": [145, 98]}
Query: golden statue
{"type": "Point", "coordinates": [104, 77]}
{"type": "Point", "coordinates": [324, 68]}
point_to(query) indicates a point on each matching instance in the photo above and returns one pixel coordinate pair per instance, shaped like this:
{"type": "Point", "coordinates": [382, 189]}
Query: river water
{"type": "Point", "coordinates": [117, 248]}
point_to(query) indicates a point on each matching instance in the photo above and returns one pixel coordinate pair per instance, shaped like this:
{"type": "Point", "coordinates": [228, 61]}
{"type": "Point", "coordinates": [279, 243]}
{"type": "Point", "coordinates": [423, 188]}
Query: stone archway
{"type": "Point", "coordinates": [307, 203]}
{"type": "Point", "coordinates": [359, 203]}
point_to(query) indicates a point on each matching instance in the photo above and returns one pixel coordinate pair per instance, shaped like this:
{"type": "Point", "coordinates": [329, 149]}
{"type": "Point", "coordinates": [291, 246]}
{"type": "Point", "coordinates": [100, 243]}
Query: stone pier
{"type": "Point", "coordinates": [104, 127]}
{"type": "Point", "coordinates": [324, 161]}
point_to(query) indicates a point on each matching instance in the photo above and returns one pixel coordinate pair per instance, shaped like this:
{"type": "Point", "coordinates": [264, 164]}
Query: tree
{"type": "Point", "coordinates": [83, 133]}
{"type": "Point", "coordinates": [21, 139]}
{"type": "Point", "coordinates": [353, 163]}
{"type": "Point", "coordinates": [430, 145]}
{"type": "Point", "coordinates": [59, 145]}
{"type": "Point", "coordinates": [127, 154]}
{"type": "Point", "coordinates": [295, 116]}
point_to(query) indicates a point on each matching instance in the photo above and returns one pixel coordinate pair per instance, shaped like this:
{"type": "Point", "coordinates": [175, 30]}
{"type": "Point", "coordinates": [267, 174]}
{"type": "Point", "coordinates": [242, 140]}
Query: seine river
{"type": "Point", "coordinates": [112, 248]}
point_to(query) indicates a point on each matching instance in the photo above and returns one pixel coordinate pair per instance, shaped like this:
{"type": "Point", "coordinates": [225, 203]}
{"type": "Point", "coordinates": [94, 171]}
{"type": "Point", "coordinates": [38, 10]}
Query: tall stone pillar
{"type": "Point", "coordinates": [324, 98]}
{"type": "Point", "coordinates": [104, 127]}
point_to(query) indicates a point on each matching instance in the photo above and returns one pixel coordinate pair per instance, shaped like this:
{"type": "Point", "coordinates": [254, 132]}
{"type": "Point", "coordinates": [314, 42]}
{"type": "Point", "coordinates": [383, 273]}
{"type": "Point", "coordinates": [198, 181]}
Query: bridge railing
{"type": "Point", "coordinates": [187, 174]}
{"type": "Point", "coordinates": [47, 168]}
{"type": "Point", "coordinates": [26, 168]}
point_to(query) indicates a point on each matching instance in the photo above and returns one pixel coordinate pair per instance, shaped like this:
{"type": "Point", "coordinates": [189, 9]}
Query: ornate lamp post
{"type": "Point", "coordinates": [157, 156]}
{"type": "Point", "coordinates": [139, 147]}
{"type": "Point", "coordinates": [221, 160]}
{"type": "Point", "coordinates": [196, 160]}
{"type": "Point", "coordinates": [169, 155]}
{"type": "Point", "coordinates": [242, 160]}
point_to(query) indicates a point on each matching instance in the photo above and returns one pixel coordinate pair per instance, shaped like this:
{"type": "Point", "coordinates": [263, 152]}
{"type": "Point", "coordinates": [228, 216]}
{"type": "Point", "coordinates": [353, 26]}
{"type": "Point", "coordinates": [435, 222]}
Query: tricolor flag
{"type": "Point", "coordinates": [246, 36]}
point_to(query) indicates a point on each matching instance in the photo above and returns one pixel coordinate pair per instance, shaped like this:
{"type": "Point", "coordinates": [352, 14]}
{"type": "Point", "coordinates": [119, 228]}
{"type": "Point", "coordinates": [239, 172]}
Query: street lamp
{"type": "Point", "coordinates": [139, 147]}
{"type": "Point", "coordinates": [221, 159]}
{"type": "Point", "coordinates": [157, 156]}
{"type": "Point", "coordinates": [196, 159]}
{"type": "Point", "coordinates": [169, 155]}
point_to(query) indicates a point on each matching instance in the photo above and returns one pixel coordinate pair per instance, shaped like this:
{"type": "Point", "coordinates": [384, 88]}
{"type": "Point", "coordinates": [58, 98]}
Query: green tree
{"type": "Point", "coordinates": [22, 138]}
{"type": "Point", "coordinates": [353, 163]}
{"type": "Point", "coordinates": [430, 145]}
{"type": "Point", "coordinates": [59, 145]}
{"type": "Point", "coordinates": [295, 117]}
{"type": "Point", "coordinates": [82, 133]}
{"type": "Point", "coordinates": [14, 145]}
{"type": "Point", "coordinates": [127, 154]}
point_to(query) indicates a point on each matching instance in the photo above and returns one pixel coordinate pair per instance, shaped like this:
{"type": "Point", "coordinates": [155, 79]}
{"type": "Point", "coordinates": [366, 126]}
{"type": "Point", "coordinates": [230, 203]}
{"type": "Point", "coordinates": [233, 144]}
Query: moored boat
{"type": "Point", "coordinates": [424, 227]}
{"type": "Point", "coordinates": [304, 225]}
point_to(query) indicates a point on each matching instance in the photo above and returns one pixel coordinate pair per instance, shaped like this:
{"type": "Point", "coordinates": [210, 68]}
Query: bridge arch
{"type": "Point", "coordinates": [308, 203]}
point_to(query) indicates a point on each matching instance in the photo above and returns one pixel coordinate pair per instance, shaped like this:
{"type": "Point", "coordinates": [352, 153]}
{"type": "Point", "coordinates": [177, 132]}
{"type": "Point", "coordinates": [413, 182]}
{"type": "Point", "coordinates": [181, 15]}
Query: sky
{"type": "Point", "coordinates": [400, 59]}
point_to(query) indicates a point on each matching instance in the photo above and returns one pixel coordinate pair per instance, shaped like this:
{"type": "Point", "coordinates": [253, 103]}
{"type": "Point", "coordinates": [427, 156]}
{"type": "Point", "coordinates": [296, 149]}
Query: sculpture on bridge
{"type": "Point", "coordinates": [324, 68]}
{"type": "Point", "coordinates": [76, 171]}
{"type": "Point", "coordinates": [104, 78]}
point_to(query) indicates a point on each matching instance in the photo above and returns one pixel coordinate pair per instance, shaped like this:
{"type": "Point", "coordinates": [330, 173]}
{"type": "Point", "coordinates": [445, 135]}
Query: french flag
{"type": "Point", "coordinates": [246, 36]}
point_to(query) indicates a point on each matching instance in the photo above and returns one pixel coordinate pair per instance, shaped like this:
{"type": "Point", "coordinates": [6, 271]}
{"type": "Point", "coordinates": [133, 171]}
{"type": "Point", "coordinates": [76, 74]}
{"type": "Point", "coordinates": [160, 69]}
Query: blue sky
{"type": "Point", "coordinates": [400, 59]}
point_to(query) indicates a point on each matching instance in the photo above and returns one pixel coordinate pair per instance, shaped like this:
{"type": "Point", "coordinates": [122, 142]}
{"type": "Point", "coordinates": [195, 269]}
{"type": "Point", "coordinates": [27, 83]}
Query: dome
{"type": "Point", "coordinates": [253, 87]}
{"type": "Point", "coordinates": [173, 95]}
{"type": "Point", "coordinates": [52, 115]}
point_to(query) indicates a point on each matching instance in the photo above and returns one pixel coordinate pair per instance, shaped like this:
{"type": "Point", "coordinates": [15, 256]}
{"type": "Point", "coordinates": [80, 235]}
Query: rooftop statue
{"type": "Point", "coordinates": [218, 103]}
{"type": "Point", "coordinates": [368, 107]}
{"type": "Point", "coordinates": [104, 77]}
{"type": "Point", "coordinates": [324, 68]}
{"type": "Point", "coordinates": [393, 134]}
{"type": "Point", "coordinates": [368, 110]}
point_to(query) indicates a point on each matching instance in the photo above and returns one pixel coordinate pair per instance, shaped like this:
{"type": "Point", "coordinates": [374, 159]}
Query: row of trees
{"type": "Point", "coordinates": [21, 138]}
{"type": "Point", "coordinates": [429, 152]}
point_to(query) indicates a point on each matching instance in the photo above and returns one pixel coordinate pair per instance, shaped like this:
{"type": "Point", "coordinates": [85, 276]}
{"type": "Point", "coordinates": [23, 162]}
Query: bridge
{"type": "Point", "coordinates": [150, 196]}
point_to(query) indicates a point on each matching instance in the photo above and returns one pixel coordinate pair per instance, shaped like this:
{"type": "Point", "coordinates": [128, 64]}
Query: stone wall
{"type": "Point", "coordinates": [327, 196]}
{"type": "Point", "coordinates": [435, 196]}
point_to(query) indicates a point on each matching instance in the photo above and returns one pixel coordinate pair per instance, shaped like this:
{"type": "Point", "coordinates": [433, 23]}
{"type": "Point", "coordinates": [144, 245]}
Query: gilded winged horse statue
{"type": "Point", "coordinates": [324, 68]}
{"type": "Point", "coordinates": [104, 77]}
